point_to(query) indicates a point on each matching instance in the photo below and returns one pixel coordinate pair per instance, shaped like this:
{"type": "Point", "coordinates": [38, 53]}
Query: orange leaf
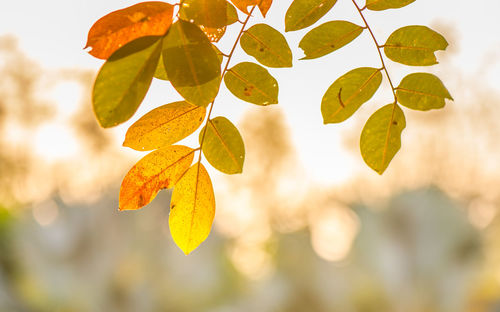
{"type": "Point", "coordinates": [264, 6]}
{"type": "Point", "coordinates": [158, 170]}
{"type": "Point", "coordinates": [114, 30]}
{"type": "Point", "coordinates": [192, 209]}
{"type": "Point", "coordinates": [242, 5]}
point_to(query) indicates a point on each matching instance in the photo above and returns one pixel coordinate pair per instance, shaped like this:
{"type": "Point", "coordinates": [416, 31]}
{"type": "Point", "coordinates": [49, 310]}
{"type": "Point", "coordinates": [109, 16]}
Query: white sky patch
{"type": "Point", "coordinates": [53, 142]}
{"type": "Point", "coordinates": [67, 96]}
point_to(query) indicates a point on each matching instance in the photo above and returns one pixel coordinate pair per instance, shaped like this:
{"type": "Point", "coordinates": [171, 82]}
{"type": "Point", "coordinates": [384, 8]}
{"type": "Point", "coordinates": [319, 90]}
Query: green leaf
{"type": "Point", "coordinates": [414, 45]}
{"type": "Point", "coordinates": [304, 13]}
{"type": "Point", "coordinates": [191, 63]}
{"type": "Point", "coordinates": [209, 13]}
{"type": "Point", "coordinates": [252, 83]}
{"type": "Point", "coordinates": [164, 125]}
{"type": "Point", "coordinates": [422, 91]}
{"type": "Point", "coordinates": [267, 45]}
{"type": "Point", "coordinates": [223, 146]}
{"type": "Point", "coordinates": [328, 37]}
{"type": "Point", "coordinates": [379, 5]}
{"type": "Point", "coordinates": [348, 93]}
{"type": "Point", "coordinates": [124, 80]}
{"type": "Point", "coordinates": [381, 137]}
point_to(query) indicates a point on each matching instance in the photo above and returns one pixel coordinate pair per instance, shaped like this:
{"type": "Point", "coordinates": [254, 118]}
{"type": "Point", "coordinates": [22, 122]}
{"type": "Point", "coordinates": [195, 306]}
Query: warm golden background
{"type": "Point", "coordinates": [307, 226]}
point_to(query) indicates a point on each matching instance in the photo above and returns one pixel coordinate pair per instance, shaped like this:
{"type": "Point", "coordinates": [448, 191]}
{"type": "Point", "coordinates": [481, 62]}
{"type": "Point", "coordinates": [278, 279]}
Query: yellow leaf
{"type": "Point", "coordinates": [164, 125]}
{"type": "Point", "coordinates": [192, 209]}
{"type": "Point", "coordinates": [158, 170]}
{"type": "Point", "coordinates": [122, 26]}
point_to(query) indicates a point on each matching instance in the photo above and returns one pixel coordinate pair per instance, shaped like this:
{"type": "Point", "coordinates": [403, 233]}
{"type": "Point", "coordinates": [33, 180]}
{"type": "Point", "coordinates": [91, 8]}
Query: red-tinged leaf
{"type": "Point", "coordinates": [243, 5]}
{"type": "Point", "coordinates": [117, 28]}
{"type": "Point", "coordinates": [156, 171]}
{"type": "Point", "coordinates": [264, 6]}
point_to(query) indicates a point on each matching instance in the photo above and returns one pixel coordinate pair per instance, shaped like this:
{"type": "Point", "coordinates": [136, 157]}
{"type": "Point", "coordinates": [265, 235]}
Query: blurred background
{"type": "Point", "coordinates": [306, 227]}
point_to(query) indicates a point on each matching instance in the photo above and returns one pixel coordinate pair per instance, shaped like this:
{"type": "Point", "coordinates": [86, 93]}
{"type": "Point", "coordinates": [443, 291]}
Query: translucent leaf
{"type": "Point", "coordinates": [156, 171]}
{"type": "Point", "coordinates": [164, 125]}
{"type": "Point", "coordinates": [120, 27]}
{"type": "Point", "coordinates": [381, 137]}
{"type": "Point", "coordinates": [304, 13]}
{"type": "Point", "coordinates": [348, 93]}
{"type": "Point", "coordinates": [422, 91]}
{"type": "Point", "coordinates": [161, 73]}
{"type": "Point", "coordinates": [252, 83]}
{"type": "Point", "coordinates": [223, 146]}
{"type": "Point", "coordinates": [328, 37]}
{"type": "Point", "coordinates": [264, 6]}
{"type": "Point", "coordinates": [191, 63]}
{"type": "Point", "coordinates": [192, 209]}
{"type": "Point", "coordinates": [267, 45]}
{"type": "Point", "coordinates": [124, 80]}
{"type": "Point", "coordinates": [243, 5]}
{"type": "Point", "coordinates": [209, 13]}
{"type": "Point", "coordinates": [214, 34]}
{"type": "Point", "coordinates": [379, 5]}
{"type": "Point", "coordinates": [414, 45]}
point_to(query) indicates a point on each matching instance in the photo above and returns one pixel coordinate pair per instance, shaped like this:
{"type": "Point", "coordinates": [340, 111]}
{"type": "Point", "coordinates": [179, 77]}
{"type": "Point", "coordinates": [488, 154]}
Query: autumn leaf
{"type": "Point", "coordinates": [164, 125]}
{"type": "Point", "coordinates": [158, 170]}
{"type": "Point", "coordinates": [117, 28]}
{"type": "Point", "coordinates": [192, 209]}
{"type": "Point", "coordinates": [243, 5]}
{"type": "Point", "coordinates": [264, 6]}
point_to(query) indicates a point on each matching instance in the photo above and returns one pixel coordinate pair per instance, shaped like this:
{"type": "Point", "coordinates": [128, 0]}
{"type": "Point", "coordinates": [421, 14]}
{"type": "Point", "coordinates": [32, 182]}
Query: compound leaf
{"type": "Point", "coordinates": [192, 209]}
{"type": "Point", "coordinates": [379, 5]}
{"type": "Point", "coordinates": [191, 63]}
{"type": "Point", "coordinates": [304, 13]}
{"type": "Point", "coordinates": [328, 37]}
{"type": "Point", "coordinates": [252, 83]}
{"type": "Point", "coordinates": [414, 45]}
{"type": "Point", "coordinates": [114, 30]}
{"type": "Point", "coordinates": [381, 137]}
{"type": "Point", "coordinates": [267, 45]}
{"type": "Point", "coordinates": [124, 80]}
{"type": "Point", "coordinates": [164, 125]}
{"type": "Point", "coordinates": [348, 93]}
{"type": "Point", "coordinates": [223, 146]}
{"type": "Point", "coordinates": [422, 91]}
{"type": "Point", "coordinates": [156, 171]}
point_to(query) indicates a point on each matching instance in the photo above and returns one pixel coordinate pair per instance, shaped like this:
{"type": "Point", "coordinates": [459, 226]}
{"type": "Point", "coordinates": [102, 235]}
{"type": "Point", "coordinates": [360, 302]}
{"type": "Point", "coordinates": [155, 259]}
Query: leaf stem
{"type": "Point", "coordinates": [384, 67]}
{"type": "Point", "coordinates": [226, 68]}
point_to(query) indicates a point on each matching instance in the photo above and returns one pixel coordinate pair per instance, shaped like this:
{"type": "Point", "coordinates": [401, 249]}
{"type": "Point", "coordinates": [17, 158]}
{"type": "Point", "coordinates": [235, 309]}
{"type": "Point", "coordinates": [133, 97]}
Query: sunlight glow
{"type": "Point", "coordinates": [54, 142]}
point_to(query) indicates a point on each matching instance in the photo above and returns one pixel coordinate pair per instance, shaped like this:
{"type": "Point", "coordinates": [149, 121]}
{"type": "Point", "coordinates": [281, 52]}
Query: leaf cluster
{"type": "Point", "coordinates": [178, 44]}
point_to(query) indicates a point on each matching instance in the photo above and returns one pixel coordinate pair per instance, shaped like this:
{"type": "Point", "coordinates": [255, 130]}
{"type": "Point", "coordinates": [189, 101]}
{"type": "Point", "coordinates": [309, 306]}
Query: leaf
{"type": "Point", "coordinates": [328, 37]}
{"type": "Point", "coordinates": [252, 83]}
{"type": "Point", "coordinates": [422, 91]}
{"type": "Point", "coordinates": [243, 5]}
{"type": "Point", "coordinates": [344, 97]}
{"type": "Point", "coordinates": [156, 171]}
{"type": "Point", "coordinates": [304, 13]}
{"type": "Point", "coordinates": [223, 146]}
{"type": "Point", "coordinates": [164, 125]}
{"type": "Point", "coordinates": [381, 137]}
{"type": "Point", "coordinates": [192, 209]}
{"type": "Point", "coordinates": [123, 26]}
{"type": "Point", "coordinates": [267, 45]}
{"type": "Point", "coordinates": [414, 45]}
{"type": "Point", "coordinates": [191, 63]}
{"type": "Point", "coordinates": [214, 34]}
{"type": "Point", "coordinates": [379, 5]}
{"type": "Point", "coordinates": [209, 13]}
{"type": "Point", "coordinates": [124, 80]}
{"type": "Point", "coordinates": [264, 6]}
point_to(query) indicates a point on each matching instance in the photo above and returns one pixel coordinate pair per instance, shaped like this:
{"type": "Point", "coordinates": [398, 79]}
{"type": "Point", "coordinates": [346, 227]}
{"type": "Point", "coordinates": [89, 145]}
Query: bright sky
{"type": "Point", "coordinates": [53, 33]}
